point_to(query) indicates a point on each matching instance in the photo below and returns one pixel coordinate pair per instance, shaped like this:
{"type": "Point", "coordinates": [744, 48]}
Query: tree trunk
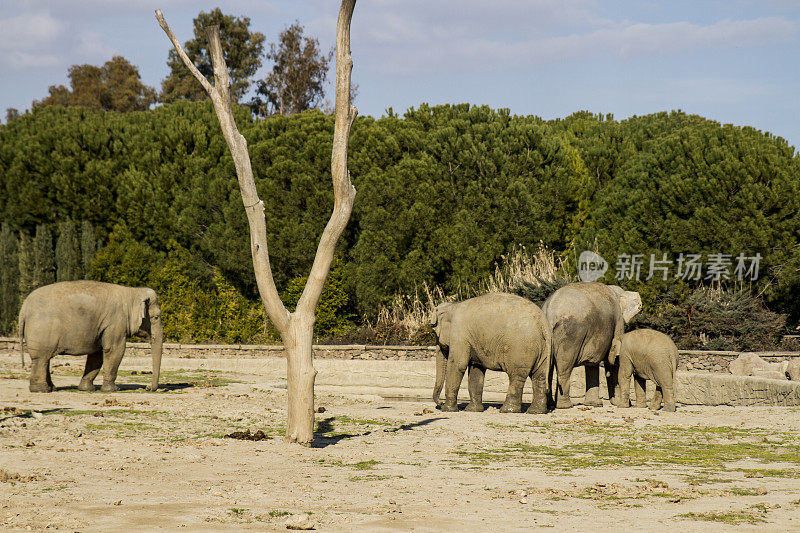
{"type": "Point", "coordinates": [296, 329]}
{"type": "Point", "coordinates": [300, 380]}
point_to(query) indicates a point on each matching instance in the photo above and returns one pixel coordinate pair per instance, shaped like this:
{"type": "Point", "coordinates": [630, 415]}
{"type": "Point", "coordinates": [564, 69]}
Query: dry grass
{"type": "Point", "coordinates": [524, 266]}
{"type": "Point", "coordinates": [411, 313]}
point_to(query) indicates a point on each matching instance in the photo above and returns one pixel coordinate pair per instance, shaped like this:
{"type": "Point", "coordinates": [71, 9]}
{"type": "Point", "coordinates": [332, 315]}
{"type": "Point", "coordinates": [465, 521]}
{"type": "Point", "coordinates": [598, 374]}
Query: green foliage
{"type": "Point", "coordinates": [44, 261]}
{"type": "Point", "coordinates": [125, 261]}
{"type": "Point", "coordinates": [88, 246]}
{"type": "Point", "coordinates": [197, 303]}
{"type": "Point", "coordinates": [194, 309]}
{"type": "Point", "coordinates": [116, 86]}
{"type": "Point", "coordinates": [68, 265]}
{"type": "Point", "coordinates": [9, 280]}
{"type": "Point", "coordinates": [332, 316]}
{"type": "Point", "coordinates": [26, 266]}
{"type": "Point", "coordinates": [241, 47]}
{"type": "Point", "coordinates": [443, 194]}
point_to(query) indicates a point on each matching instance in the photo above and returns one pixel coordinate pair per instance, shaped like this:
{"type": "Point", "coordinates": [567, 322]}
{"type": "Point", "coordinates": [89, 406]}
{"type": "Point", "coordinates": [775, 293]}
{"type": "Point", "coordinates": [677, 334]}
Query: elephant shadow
{"type": "Point", "coordinates": [326, 426]}
{"type": "Point", "coordinates": [30, 415]}
{"type": "Point", "coordinates": [130, 387]}
{"type": "Point", "coordinates": [486, 405]}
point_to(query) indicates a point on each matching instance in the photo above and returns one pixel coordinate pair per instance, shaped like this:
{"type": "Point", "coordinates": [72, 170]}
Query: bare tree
{"type": "Point", "coordinates": [296, 329]}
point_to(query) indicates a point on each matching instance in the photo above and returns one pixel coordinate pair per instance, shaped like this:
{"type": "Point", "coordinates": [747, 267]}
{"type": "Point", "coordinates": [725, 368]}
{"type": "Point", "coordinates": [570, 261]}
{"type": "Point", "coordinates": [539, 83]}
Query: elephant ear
{"type": "Point", "coordinates": [630, 302]}
{"type": "Point", "coordinates": [441, 322]}
{"type": "Point", "coordinates": [137, 313]}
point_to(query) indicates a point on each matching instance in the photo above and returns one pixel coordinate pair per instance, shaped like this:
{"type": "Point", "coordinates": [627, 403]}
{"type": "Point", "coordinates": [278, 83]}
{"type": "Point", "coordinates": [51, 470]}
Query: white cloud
{"type": "Point", "coordinates": [91, 48]}
{"type": "Point", "coordinates": [31, 30]}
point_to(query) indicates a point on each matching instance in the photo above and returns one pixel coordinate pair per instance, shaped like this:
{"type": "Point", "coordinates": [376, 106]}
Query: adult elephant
{"type": "Point", "coordinates": [585, 317]}
{"type": "Point", "coordinates": [495, 331]}
{"type": "Point", "coordinates": [88, 318]}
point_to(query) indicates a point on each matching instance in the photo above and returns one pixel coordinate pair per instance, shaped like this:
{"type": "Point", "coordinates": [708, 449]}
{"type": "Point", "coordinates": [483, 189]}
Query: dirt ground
{"type": "Point", "coordinates": [135, 460]}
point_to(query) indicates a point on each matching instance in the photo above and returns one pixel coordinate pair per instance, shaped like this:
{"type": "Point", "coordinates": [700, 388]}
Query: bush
{"type": "Point", "coordinates": [715, 319]}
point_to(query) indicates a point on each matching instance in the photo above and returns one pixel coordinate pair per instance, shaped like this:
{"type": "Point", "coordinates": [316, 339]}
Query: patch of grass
{"type": "Point", "coordinates": [730, 517]}
{"type": "Point", "coordinates": [275, 513]}
{"type": "Point", "coordinates": [703, 479]}
{"type": "Point", "coordinates": [769, 472]}
{"type": "Point", "coordinates": [361, 465]}
{"type": "Point", "coordinates": [739, 491]}
{"type": "Point", "coordinates": [374, 477]}
{"type": "Point", "coordinates": [344, 419]}
{"type": "Point", "coordinates": [613, 447]}
{"type": "Point", "coordinates": [237, 511]}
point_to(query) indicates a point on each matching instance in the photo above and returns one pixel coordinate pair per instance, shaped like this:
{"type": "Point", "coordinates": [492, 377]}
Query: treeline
{"type": "Point", "coordinates": [443, 193]}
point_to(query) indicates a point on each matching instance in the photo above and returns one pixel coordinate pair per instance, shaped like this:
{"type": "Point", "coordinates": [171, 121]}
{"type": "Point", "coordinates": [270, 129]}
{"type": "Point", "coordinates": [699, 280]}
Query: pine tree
{"type": "Point", "coordinates": [67, 261]}
{"type": "Point", "coordinates": [44, 267]}
{"type": "Point", "coordinates": [88, 247]}
{"type": "Point", "coordinates": [9, 280]}
{"type": "Point", "coordinates": [26, 265]}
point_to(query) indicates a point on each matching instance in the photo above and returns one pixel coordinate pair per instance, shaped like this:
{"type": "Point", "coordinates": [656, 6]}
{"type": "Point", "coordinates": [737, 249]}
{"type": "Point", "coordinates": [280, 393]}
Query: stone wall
{"type": "Point", "coordinates": [691, 360]}
{"type": "Point", "coordinates": [204, 351]}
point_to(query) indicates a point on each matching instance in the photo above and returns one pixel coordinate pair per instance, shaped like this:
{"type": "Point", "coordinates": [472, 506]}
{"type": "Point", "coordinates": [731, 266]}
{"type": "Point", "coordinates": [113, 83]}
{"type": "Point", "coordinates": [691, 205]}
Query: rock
{"type": "Point", "coordinates": [300, 522]}
{"type": "Point", "coordinates": [320, 409]}
{"type": "Point", "coordinates": [694, 388]}
{"type": "Point", "coordinates": [793, 369]}
{"type": "Point", "coordinates": [749, 364]}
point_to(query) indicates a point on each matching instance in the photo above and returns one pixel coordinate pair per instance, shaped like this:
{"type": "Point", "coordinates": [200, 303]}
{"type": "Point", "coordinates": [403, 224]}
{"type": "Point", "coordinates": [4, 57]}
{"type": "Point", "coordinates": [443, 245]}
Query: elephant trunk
{"type": "Point", "coordinates": [441, 366]}
{"type": "Point", "coordinates": [156, 347]}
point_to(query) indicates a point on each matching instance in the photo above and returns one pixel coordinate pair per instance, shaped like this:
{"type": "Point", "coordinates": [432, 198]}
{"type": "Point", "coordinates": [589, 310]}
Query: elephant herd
{"type": "Point", "coordinates": [580, 324]}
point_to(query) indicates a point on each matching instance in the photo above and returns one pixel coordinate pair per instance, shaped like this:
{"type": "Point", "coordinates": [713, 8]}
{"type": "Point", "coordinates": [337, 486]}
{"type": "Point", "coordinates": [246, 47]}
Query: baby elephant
{"type": "Point", "coordinates": [646, 354]}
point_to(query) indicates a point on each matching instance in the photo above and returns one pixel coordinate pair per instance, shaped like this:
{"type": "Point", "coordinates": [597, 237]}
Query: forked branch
{"type": "Point", "coordinates": [254, 207]}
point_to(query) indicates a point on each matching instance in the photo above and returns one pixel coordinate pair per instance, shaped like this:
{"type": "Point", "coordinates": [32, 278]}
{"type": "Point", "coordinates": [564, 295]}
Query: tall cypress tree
{"type": "Point", "coordinates": [44, 261]}
{"type": "Point", "coordinates": [67, 261]}
{"type": "Point", "coordinates": [26, 265]}
{"type": "Point", "coordinates": [9, 279]}
{"type": "Point", "coordinates": [88, 247]}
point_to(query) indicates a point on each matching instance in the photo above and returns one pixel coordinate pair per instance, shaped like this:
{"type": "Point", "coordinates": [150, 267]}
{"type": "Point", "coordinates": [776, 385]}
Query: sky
{"type": "Point", "coordinates": [733, 61]}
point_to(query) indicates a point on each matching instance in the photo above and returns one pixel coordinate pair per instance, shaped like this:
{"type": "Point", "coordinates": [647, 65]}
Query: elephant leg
{"type": "Point", "coordinates": [513, 403]}
{"type": "Point", "coordinates": [612, 382]}
{"type": "Point", "coordinates": [624, 378]}
{"type": "Point", "coordinates": [640, 388]}
{"type": "Point", "coordinates": [476, 377]}
{"type": "Point", "coordinates": [655, 403]}
{"type": "Point", "coordinates": [563, 400]}
{"type": "Point", "coordinates": [539, 402]}
{"type": "Point", "coordinates": [94, 362]}
{"type": "Point", "coordinates": [456, 366]}
{"type": "Point", "coordinates": [669, 398]}
{"type": "Point", "coordinates": [592, 386]}
{"type": "Point", "coordinates": [40, 380]}
{"type": "Point", "coordinates": [111, 359]}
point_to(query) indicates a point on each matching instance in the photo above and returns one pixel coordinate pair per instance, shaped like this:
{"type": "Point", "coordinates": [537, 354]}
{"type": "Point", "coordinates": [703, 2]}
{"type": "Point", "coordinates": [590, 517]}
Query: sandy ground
{"type": "Point", "coordinates": [135, 460]}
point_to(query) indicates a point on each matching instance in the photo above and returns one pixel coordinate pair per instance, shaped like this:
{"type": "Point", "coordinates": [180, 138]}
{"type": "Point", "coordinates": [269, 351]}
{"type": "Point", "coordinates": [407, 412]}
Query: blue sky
{"type": "Point", "coordinates": [734, 61]}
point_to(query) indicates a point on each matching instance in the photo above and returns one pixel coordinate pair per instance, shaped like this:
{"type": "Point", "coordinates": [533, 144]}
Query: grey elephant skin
{"type": "Point", "coordinates": [585, 317]}
{"type": "Point", "coordinates": [646, 354]}
{"type": "Point", "coordinates": [495, 331]}
{"type": "Point", "coordinates": [88, 318]}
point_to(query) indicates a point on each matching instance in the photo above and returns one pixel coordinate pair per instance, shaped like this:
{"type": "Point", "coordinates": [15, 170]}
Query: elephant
{"type": "Point", "coordinates": [88, 318]}
{"type": "Point", "coordinates": [646, 354]}
{"type": "Point", "coordinates": [585, 317]}
{"type": "Point", "coordinates": [495, 331]}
